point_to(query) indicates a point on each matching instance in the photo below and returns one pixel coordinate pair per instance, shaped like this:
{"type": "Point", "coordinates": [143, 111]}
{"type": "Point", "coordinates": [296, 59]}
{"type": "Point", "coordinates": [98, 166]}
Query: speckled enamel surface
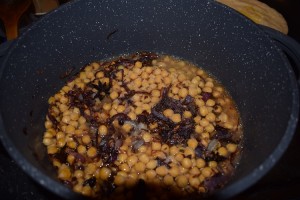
{"type": "Point", "coordinates": [234, 50]}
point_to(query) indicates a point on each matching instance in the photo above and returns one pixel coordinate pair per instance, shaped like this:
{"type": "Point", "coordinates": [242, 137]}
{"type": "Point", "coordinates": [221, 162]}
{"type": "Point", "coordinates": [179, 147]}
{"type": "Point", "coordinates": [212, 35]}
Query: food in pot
{"type": "Point", "coordinates": [143, 124]}
{"type": "Point", "coordinates": [259, 12]}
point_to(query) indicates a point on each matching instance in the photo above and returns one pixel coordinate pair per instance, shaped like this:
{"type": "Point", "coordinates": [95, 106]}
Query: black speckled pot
{"type": "Point", "coordinates": [233, 49]}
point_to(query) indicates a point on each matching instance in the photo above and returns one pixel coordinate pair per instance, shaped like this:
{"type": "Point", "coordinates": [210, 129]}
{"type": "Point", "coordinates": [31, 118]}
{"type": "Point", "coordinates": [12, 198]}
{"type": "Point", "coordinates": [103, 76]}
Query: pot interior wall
{"type": "Point", "coordinates": [223, 43]}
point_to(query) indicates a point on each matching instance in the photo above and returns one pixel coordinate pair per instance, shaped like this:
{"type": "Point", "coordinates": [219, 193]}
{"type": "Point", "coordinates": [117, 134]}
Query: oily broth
{"type": "Point", "coordinates": [143, 121]}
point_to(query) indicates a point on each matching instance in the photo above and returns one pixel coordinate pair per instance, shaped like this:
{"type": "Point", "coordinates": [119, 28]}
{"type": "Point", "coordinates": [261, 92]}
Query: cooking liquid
{"type": "Point", "coordinates": [143, 126]}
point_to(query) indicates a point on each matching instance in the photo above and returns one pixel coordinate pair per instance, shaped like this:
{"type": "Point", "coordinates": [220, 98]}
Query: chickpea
{"type": "Point", "coordinates": [102, 130]}
{"type": "Point", "coordinates": [48, 124]}
{"type": "Point", "coordinates": [158, 79]}
{"type": "Point", "coordinates": [182, 181]}
{"type": "Point", "coordinates": [124, 167]}
{"type": "Point", "coordinates": [157, 71]}
{"type": "Point", "coordinates": [86, 190]}
{"type": "Point", "coordinates": [194, 182]}
{"type": "Point", "coordinates": [159, 154]}
{"type": "Point", "coordinates": [210, 102]}
{"type": "Point", "coordinates": [209, 83]}
{"type": "Point", "coordinates": [70, 129]}
{"type": "Point", "coordinates": [156, 146]}
{"type": "Point", "coordinates": [113, 95]}
{"type": "Point", "coordinates": [119, 180]}
{"type": "Point", "coordinates": [150, 174]}
{"type": "Point", "coordinates": [140, 166]}
{"type": "Point", "coordinates": [206, 172]}
{"type": "Point", "coordinates": [193, 91]}
{"type": "Point", "coordinates": [175, 90]}
{"type": "Point", "coordinates": [70, 159]}
{"type": "Point", "coordinates": [147, 137]}
{"type": "Point", "coordinates": [81, 120]}
{"type": "Point", "coordinates": [167, 80]}
{"type": "Point", "coordinates": [74, 116]}
{"type": "Point", "coordinates": [66, 119]}
{"type": "Point", "coordinates": [64, 172]}
{"type": "Point", "coordinates": [133, 75]}
{"type": "Point", "coordinates": [86, 139]}
{"type": "Point", "coordinates": [142, 149]}
{"type": "Point", "coordinates": [210, 128]}
{"type": "Point", "coordinates": [49, 134]}
{"type": "Point", "coordinates": [231, 147]}
{"type": "Point", "coordinates": [56, 164]}
{"type": "Point", "coordinates": [137, 82]}
{"type": "Point", "coordinates": [223, 151]}
{"type": "Point", "coordinates": [120, 108]}
{"type": "Point", "coordinates": [197, 119]}
{"type": "Point", "coordinates": [179, 157]}
{"type": "Point", "coordinates": [112, 112]}
{"type": "Point", "coordinates": [195, 171]}
{"type": "Point", "coordinates": [121, 173]}
{"type": "Point", "coordinates": [216, 94]}
{"type": "Point", "coordinates": [212, 164]}
{"type": "Point", "coordinates": [164, 73]}
{"type": "Point", "coordinates": [92, 152]}
{"type": "Point", "coordinates": [205, 135]}
{"type": "Point", "coordinates": [168, 113]}
{"type": "Point", "coordinates": [104, 173]}
{"type": "Point", "coordinates": [189, 152]}
{"type": "Point", "coordinates": [168, 180]}
{"type": "Point", "coordinates": [146, 107]}
{"type": "Point", "coordinates": [199, 129]}
{"type": "Point", "coordinates": [132, 160]}
{"type": "Point", "coordinates": [161, 170]}
{"type": "Point", "coordinates": [183, 92]}
{"type": "Point", "coordinates": [203, 111]}
{"type": "Point", "coordinates": [100, 74]}
{"type": "Point", "coordinates": [228, 125]}
{"type": "Point", "coordinates": [176, 118]}
{"type": "Point", "coordinates": [127, 127]}
{"type": "Point", "coordinates": [144, 158]}
{"type": "Point", "coordinates": [199, 102]}
{"type": "Point", "coordinates": [174, 171]}
{"type": "Point", "coordinates": [151, 164]}
{"type": "Point", "coordinates": [138, 64]}
{"type": "Point", "coordinates": [207, 89]}
{"type": "Point", "coordinates": [186, 163]}
{"type": "Point", "coordinates": [200, 163]}
{"type": "Point", "coordinates": [181, 77]}
{"type": "Point", "coordinates": [132, 115]}
{"type": "Point", "coordinates": [148, 69]}
{"type": "Point", "coordinates": [155, 100]}
{"type": "Point", "coordinates": [173, 150]}
{"type": "Point", "coordinates": [48, 141]}
{"type": "Point", "coordinates": [81, 149]}
{"type": "Point", "coordinates": [79, 174]}
{"type": "Point", "coordinates": [122, 157]}
{"type": "Point", "coordinates": [192, 143]}
{"type": "Point", "coordinates": [71, 144]}
{"type": "Point", "coordinates": [90, 169]}
{"type": "Point", "coordinates": [211, 117]}
{"type": "Point", "coordinates": [74, 124]}
{"type": "Point", "coordinates": [187, 114]}
{"type": "Point", "coordinates": [223, 117]}
{"type": "Point", "coordinates": [204, 122]}
{"type": "Point", "coordinates": [138, 110]}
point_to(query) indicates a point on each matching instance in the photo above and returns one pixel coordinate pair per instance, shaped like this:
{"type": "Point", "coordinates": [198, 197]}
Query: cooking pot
{"type": "Point", "coordinates": [240, 54]}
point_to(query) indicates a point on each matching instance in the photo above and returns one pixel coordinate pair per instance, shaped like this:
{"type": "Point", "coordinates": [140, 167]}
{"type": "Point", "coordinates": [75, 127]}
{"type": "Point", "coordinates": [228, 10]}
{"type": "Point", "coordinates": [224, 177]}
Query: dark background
{"type": "Point", "coordinates": [282, 182]}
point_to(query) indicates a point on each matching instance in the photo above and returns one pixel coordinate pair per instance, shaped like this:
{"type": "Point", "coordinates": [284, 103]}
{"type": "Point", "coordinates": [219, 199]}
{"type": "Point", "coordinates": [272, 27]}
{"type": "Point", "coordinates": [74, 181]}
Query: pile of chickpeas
{"type": "Point", "coordinates": [161, 166]}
